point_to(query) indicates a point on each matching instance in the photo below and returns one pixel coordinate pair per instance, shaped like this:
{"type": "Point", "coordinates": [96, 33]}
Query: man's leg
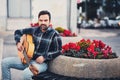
{"type": "Point", "coordinates": [8, 63]}
{"type": "Point", "coordinates": [28, 74]}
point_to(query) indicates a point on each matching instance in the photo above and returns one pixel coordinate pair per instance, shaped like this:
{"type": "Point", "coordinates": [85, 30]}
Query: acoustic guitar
{"type": "Point", "coordinates": [28, 48]}
{"type": "Point", "coordinates": [27, 52]}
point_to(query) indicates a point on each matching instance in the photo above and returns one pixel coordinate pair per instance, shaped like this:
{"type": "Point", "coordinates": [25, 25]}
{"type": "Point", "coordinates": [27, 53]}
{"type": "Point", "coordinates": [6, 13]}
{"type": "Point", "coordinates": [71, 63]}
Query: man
{"type": "Point", "coordinates": [47, 46]}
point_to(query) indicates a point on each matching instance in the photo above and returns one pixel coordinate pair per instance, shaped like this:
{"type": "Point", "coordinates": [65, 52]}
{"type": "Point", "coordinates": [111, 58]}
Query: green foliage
{"type": "Point", "coordinates": [60, 29]}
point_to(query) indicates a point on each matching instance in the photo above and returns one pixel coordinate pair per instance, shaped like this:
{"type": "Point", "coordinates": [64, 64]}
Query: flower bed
{"type": "Point", "coordinates": [65, 33]}
{"type": "Point", "coordinates": [74, 65]}
{"type": "Point", "coordinates": [92, 49]}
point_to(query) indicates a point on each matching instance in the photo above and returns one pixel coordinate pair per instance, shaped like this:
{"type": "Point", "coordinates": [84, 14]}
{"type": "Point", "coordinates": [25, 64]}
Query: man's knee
{"type": "Point", "coordinates": [27, 74]}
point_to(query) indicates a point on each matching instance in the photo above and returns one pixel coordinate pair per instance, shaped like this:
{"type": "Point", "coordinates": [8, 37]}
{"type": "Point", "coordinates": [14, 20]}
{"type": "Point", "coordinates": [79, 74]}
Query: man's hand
{"type": "Point", "coordinates": [19, 46]}
{"type": "Point", "coordinates": [33, 69]}
{"type": "Point", "coordinates": [20, 51]}
{"type": "Point", "coordinates": [40, 59]}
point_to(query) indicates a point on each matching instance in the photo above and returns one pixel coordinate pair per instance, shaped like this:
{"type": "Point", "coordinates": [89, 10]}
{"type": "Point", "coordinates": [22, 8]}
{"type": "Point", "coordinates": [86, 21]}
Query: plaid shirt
{"type": "Point", "coordinates": [47, 44]}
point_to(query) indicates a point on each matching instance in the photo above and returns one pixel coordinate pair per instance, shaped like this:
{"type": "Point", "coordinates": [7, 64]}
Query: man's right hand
{"type": "Point", "coordinates": [33, 69]}
{"type": "Point", "coordinates": [19, 46]}
{"type": "Point", "coordinates": [20, 51]}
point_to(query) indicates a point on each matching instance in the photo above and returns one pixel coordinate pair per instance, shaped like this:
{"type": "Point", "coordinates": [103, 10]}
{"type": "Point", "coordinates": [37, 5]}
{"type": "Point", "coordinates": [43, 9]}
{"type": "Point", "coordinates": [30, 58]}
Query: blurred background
{"type": "Point", "coordinates": [98, 13]}
{"type": "Point", "coordinates": [69, 14]}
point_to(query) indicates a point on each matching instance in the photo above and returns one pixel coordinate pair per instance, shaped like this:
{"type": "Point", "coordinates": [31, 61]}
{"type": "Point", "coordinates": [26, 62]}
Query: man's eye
{"type": "Point", "coordinates": [45, 20]}
{"type": "Point", "coordinates": [41, 20]}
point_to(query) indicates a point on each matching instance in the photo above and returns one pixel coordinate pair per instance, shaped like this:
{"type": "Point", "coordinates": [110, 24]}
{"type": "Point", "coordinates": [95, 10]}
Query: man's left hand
{"type": "Point", "coordinates": [40, 59]}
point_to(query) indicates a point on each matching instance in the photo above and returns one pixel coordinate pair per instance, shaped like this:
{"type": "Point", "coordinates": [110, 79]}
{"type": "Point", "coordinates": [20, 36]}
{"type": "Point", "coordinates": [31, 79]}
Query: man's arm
{"type": "Point", "coordinates": [19, 33]}
{"type": "Point", "coordinates": [55, 49]}
{"type": "Point", "coordinates": [19, 37]}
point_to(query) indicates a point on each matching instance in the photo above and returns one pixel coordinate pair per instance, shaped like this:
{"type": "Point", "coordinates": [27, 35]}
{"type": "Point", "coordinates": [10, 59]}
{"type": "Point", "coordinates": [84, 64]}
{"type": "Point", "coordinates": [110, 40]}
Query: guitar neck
{"type": "Point", "coordinates": [26, 57]}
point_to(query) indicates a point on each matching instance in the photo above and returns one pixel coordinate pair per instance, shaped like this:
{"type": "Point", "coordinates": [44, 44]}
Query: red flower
{"type": "Point", "coordinates": [77, 48]}
{"type": "Point", "coordinates": [37, 24]}
{"type": "Point", "coordinates": [105, 53]}
{"type": "Point", "coordinates": [74, 34]}
{"type": "Point", "coordinates": [101, 44]}
{"type": "Point", "coordinates": [34, 24]}
{"type": "Point", "coordinates": [65, 47]}
{"type": "Point", "coordinates": [72, 45]}
{"type": "Point", "coordinates": [64, 32]}
{"type": "Point", "coordinates": [96, 43]}
{"type": "Point", "coordinates": [88, 41]}
{"type": "Point", "coordinates": [83, 40]}
{"type": "Point", "coordinates": [88, 49]}
{"type": "Point", "coordinates": [91, 48]}
{"type": "Point", "coordinates": [67, 33]}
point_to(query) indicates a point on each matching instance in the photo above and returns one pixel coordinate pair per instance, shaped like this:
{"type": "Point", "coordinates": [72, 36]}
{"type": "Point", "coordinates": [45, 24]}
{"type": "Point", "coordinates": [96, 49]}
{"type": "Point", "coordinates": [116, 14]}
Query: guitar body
{"type": "Point", "coordinates": [28, 47]}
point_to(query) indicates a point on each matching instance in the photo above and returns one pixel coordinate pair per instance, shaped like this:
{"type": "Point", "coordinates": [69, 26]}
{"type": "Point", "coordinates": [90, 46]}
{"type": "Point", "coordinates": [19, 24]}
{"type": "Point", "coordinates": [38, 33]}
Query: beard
{"type": "Point", "coordinates": [43, 27]}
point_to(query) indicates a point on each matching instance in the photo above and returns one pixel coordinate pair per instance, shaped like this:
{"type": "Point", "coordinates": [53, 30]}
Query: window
{"type": "Point", "coordinates": [19, 8]}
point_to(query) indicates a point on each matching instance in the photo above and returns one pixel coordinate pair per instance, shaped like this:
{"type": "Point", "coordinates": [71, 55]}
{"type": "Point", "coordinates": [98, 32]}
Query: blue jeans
{"type": "Point", "coordinates": [15, 62]}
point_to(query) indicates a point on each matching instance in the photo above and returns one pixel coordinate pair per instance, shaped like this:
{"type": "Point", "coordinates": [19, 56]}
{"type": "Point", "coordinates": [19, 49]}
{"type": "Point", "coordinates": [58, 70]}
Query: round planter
{"type": "Point", "coordinates": [87, 68]}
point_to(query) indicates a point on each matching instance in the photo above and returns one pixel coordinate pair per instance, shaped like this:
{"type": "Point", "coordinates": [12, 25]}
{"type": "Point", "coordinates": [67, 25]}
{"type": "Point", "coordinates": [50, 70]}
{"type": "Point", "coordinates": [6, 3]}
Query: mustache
{"type": "Point", "coordinates": [43, 25]}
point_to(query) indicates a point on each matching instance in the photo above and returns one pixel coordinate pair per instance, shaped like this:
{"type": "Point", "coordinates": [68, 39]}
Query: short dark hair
{"type": "Point", "coordinates": [43, 12]}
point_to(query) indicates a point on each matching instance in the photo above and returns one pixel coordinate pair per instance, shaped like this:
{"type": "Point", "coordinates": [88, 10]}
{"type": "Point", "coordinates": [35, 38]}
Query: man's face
{"type": "Point", "coordinates": [44, 22]}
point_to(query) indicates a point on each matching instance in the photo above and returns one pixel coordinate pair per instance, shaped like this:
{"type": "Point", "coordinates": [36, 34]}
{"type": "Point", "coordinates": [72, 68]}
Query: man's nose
{"type": "Point", "coordinates": [43, 22]}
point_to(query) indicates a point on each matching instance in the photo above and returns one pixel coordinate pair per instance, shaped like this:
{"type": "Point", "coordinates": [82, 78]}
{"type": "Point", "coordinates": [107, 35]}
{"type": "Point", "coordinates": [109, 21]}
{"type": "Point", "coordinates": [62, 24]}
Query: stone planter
{"type": "Point", "coordinates": [86, 68]}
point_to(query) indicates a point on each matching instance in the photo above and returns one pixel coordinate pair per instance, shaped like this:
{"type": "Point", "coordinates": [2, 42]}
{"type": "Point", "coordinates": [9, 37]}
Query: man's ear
{"type": "Point", "coordinates": [50, 24]}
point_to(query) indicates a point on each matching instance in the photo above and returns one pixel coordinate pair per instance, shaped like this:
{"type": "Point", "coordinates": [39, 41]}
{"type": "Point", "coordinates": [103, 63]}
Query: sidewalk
{"type": "Point", "coordinates": [1, 50]}
{"type": "Point", "coordinates": [3, 34]}
{"type": "Point", "coordinates": [99, 32]}
{"type": "Point", "coordinates": [83, 33]}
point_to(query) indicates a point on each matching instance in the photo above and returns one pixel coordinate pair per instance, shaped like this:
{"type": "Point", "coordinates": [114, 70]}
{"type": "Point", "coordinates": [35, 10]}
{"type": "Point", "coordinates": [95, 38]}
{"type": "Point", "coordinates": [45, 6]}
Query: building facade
{"type": "Point", "coordinates": [18, 14]}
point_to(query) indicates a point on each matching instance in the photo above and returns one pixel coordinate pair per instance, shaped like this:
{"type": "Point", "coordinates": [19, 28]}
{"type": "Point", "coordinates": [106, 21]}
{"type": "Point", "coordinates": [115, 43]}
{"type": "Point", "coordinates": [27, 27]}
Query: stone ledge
{"type": "Point", "coordinates": [52, 76]}
{"type": "Point", "coordinates": [87, 68]}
